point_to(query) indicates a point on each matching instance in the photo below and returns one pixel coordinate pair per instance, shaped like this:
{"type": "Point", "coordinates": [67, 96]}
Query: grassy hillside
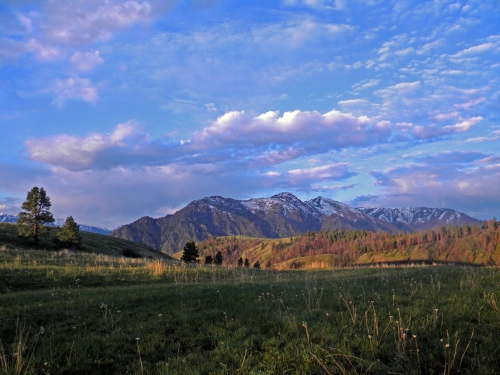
{"type": "Point", "coordinates": [79, 313]}
{"type": "Point", "coordinates": [345, 248]}
{"type": "Point", "coordinates": [91, 243]}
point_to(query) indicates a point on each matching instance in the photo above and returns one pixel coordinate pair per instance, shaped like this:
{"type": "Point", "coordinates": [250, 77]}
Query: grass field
{"type": "Point", "coordinates": [77, 313]}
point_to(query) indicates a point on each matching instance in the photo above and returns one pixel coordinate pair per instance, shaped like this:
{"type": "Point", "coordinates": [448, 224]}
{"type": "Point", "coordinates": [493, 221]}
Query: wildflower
{"type": "Point", "coordinates": [447, 346]}
{"type": "Point", "coordinates": [369, 337]}
{"type": "Point", "coordinates": [137, 338]}
{"type": "Point", "coordinates": [42, 330]}
{"type": "Point", "coordinates": [160, 314]}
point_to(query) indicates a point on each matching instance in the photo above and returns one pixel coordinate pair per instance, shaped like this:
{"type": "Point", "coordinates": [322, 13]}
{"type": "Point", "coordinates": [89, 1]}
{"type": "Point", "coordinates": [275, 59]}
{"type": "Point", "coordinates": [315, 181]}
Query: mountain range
{"type": "Point", "coordinates": [282, 215]}
{"type": "Point", "coordinates": [58, 223]}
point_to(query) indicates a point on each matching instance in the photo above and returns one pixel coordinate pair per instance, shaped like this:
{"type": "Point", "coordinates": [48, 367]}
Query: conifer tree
{"type": "Point", "coordinates": [218, 258]}
{"type": "Point", "coordinates": [247, 263]}
{"type": "Point", "coordinates": [209, 259]}
{"type": "Point", "coordinates": [256, 264]}
{"type": "Point", "coordinates": [69, 235]}
{"type": "Point", "coordinates": [240, 262]}
{"type": "Point", "coordinates": [36, 214]}
{"type": "Point", "coordinates": [190, 252]}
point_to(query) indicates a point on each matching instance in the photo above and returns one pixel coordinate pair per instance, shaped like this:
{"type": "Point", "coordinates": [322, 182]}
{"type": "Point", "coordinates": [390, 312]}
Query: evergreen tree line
{"type": "Point", "coordinates": [36, 215]}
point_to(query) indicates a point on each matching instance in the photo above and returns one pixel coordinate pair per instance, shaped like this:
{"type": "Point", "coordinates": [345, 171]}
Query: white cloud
{"type": "Point", "coordinates": [74, 88]}
{"type": "Point", "coordinates": [75, 153]}
{"type": "Point", "coordinates": [432, 131]}
{"type": "Point", "coordinates": [330, 171]}
{"type": "Point", "coordinates": [85, 61]}
{"type": "Point", "coordinates": [82, 22]}
{"type": "Point", "coordinates": [477, 49]}
{"type": "Point", "coordinates": [43, 51]}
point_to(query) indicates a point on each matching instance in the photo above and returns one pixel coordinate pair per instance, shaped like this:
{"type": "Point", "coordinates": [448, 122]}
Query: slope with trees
{"type": "Point", "coordinates": [340, 248]}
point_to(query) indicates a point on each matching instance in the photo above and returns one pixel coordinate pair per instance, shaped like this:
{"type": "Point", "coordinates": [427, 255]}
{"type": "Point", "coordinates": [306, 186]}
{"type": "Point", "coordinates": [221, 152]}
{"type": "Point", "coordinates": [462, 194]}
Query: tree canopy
{"type": "Point", "coordinates": [36, 214]}
{"type": "Point", "coordinates": [218, 258]}
{"type": "Point", "coordinates": [69, 235]}
{"type": "Point", "coordinates": [190, 252]}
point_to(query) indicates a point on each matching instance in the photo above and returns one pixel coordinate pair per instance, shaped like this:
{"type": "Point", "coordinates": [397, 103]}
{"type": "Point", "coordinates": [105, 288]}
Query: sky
{"type": "Point", "coordinates": [121, 109]}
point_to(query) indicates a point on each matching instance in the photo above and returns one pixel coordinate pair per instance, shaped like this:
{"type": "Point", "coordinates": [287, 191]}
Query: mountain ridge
{"type": "Point", "coordinates": [281, 215]}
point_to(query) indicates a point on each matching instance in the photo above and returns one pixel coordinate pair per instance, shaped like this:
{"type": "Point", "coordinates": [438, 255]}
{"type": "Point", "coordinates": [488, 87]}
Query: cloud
{"type": "Point", "coordinates": [74, 153]}
{"type": "Point", "coordinates": [367, 83]}
{"type": "Point", "coordinates": [464, 184]}
{"type": "Point", "coordinates": [326, 188]}
{"type": "Point", "coordinates": [84, 62]}
{"type": "Point", "coordinates": [43, 51]}
{"type": "Point", "coordinates": [363, 199]}
{"type": "Point", "coordinates": [74, 88]}
{"type": "Point", "coordinates": [451, 157]}
{"type": "Point", "coordinates": [477, 49]}
{"type": "Point", "coordinates": [432, 131]}
{"type": "Point", "coordinates": [77, 23]}
{"type": "Point", "coordinates": [234, 139]}
{"type": "Point", "coordinates": [324, 172]}
{"type": "Point", "coordinates": [319, 4]}
{"type": "Point", "coordinates": [307, 132]}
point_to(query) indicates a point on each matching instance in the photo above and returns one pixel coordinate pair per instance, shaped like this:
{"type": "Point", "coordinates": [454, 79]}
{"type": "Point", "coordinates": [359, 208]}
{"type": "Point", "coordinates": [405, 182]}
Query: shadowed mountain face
{"type": "Point", "coordinates": [282, 215]}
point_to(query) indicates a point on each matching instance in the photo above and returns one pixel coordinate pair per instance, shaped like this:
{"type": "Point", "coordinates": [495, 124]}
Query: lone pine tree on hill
{"type": "Point", "coordinates": [69, 235]}
{"type": "Point", "coordinates": [36, 214]}
{"type": "Point", "coordinates": [190, 252]}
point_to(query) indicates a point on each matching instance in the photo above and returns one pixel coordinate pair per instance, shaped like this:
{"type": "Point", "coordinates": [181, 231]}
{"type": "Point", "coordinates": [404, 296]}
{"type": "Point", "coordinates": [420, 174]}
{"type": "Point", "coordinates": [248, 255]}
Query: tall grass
{"type": "Point", "coordinates": [105, 314]}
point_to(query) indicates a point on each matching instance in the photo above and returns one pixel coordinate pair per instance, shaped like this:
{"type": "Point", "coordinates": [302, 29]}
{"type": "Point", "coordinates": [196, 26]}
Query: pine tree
{"type": "Point", "coordinates": [256, 264]}
{"type": "Point", "coordinates": [69, 235]}
{"type": "Point", "coordinates": [247, 263]}
{"type": "Point", "coordinates": [240, 262]}
{"type": "Point", "coordinates": [36, 214]}
{"type": "Point", "coordinates": [218, 258]}
{"type": "Point", "coordinates": [190, 252]}
{"type": "Point", "coordinates": [209, 259]}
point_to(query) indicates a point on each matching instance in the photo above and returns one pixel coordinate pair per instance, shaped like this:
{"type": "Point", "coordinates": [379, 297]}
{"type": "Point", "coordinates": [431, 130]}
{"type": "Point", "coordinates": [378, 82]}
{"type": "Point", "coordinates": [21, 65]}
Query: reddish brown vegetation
{"type": "Point", "coordinates": [461, 244]}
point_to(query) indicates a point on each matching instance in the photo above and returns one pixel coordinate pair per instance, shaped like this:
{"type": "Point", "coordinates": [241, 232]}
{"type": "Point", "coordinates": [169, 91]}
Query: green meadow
{"type": "Point", "coordinates": [99, 312]}
{"type": "Point", "coordinates": [76, 313]}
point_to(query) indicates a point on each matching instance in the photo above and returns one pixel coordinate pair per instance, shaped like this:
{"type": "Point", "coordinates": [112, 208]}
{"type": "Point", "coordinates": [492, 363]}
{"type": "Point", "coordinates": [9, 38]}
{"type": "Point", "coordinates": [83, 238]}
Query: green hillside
{"type": "Point", "coordinates": [91, 243]}
{"type": "Point", "coordinates": [345, 248]}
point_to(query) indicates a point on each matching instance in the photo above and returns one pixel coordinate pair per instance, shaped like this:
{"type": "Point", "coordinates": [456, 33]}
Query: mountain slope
{"type": "Point", "coordinates": [282, 215]}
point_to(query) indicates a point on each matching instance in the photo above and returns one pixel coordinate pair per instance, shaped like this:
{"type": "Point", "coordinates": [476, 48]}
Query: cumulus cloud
{"type": "Point", "coordinates": [311, 130]}
{"type": "Point", "coordinates": [265, 140]}
{"type": "Point", "coordinates": [75, 153]}
{"type": "Point", "coordinates": [74, 88]}
{"type": "Point", "coordinates": [85, 61]}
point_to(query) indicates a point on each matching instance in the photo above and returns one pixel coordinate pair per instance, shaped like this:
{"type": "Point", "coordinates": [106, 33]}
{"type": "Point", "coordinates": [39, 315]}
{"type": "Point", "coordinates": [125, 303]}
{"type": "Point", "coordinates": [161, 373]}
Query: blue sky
{"type": "Point", "coordinates": [121, 109]}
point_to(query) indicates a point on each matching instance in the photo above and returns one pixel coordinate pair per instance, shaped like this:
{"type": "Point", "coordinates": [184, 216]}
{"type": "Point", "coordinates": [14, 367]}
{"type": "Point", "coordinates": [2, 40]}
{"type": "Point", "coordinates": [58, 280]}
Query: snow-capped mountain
{"type": "Point", "coordinates": [58, 223]}
{"type": "Point", "coordinates": [282, 215]}
{"type": "Point", "coordinates": [420, 217]}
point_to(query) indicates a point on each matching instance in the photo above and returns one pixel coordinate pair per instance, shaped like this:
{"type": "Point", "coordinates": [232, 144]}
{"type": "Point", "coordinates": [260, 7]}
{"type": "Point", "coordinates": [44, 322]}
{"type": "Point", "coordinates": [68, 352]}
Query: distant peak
{"type": "Point", "coordinates": [285, 195]}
